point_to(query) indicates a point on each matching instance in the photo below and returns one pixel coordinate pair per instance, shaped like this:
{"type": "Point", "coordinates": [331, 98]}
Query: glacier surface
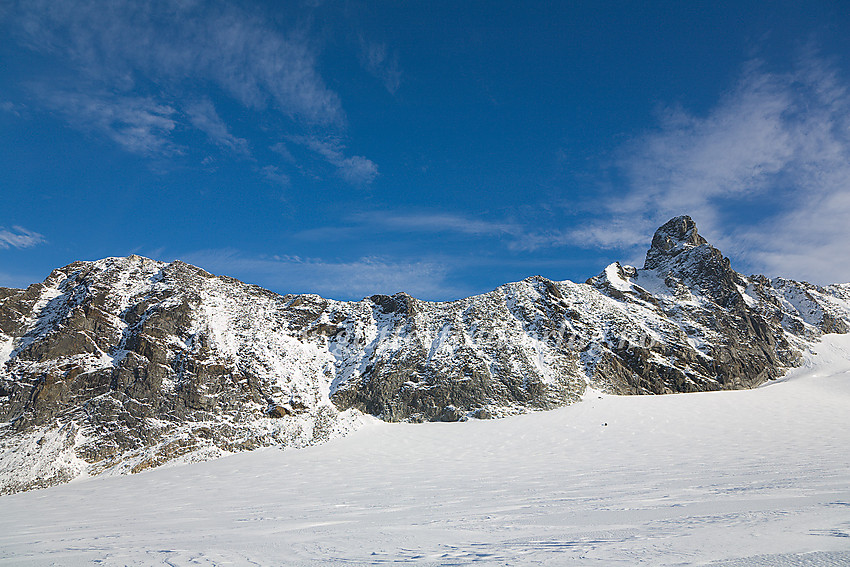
{"type": "Point", "coordinates": [744, 478]}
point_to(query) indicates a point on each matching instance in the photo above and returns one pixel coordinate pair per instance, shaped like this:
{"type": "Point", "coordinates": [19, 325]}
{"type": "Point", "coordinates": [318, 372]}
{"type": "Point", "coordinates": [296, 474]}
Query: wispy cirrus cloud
{"type": "Point", "coordinates": [441, 222]}
{"type": "Point", "coordinates": [10, 107]}
{"type": "Point", "coordinates": [356, 170]}
{"type": "Point", "coordinates": [140, 125]}
{"type": "Point", "coordinates": [280, 149]}
{"type": "Point", "coordinates": [765, 173]}
{"type": "Point", "coordinates": [132, 72]}
{"type": "Point", "coordinates": [808, 241]}
{"type": "Point", "coordinates": [274, 175]}
{"type": "Point", "coordinates": [203, 116]}
{"type": "Point", "coordinates": [19, 237]}
{"type": "Point", "coordinates": [425, 222]}
{"type": "Point", "coordinates": [347, 280]}
{"type": "Point", "coordinates": [123, 43]}
{"type": "Point", "coordinates": [612, 234]}
{"type": "Point", "coordinates": [377, 59]}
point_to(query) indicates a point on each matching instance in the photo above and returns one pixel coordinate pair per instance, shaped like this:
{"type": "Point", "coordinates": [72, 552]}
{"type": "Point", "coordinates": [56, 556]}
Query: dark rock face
{"type": "Point", "coordinates": [734, 332]}
{"type": "Point", "coordinates": [124, 364]}
{"type": "Point", "coordinates": [674, 237]}
{"type": "Point", "coordinates": [741, 349]}
{"type": "Point", "coordinates": [120, 356]}
{"type": "Point", "coordinates": [430, 360]}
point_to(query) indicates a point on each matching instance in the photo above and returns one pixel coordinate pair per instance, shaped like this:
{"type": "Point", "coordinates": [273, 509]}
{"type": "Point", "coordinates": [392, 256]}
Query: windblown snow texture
{"type": "Point", "coordinates": [124, 364]}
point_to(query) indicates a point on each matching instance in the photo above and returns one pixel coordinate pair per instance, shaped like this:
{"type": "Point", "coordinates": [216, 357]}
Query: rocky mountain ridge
{"type": "Point", "coordinates": [124, 364]}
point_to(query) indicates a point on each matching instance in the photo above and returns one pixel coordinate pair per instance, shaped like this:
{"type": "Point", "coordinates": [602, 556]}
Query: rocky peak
{"type": "Point", "coordinates": [681, 257]}
{"type": "Point", "coordinates": [397, 303]}
{"type": "Point", "coordinates": [674, 237]}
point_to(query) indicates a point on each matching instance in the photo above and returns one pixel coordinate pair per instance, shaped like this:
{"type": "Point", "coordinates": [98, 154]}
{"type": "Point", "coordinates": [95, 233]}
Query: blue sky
{"type": "Point", "coordinates": [439, 148]}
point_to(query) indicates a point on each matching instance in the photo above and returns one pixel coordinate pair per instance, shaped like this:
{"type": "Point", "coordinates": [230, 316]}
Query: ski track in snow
{"type": "Point", "coordinates": [727, 479]}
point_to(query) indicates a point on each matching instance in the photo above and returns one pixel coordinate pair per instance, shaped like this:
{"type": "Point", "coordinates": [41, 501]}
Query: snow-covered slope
{"type": "Point", "coordinates": [125, 364]}
{"type": "Point", "coordinates": [731, 478]}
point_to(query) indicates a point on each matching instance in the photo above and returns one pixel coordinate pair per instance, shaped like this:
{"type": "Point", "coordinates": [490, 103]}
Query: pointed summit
{"type": "Point", "coordinates": [675, 236]}
{"type": "Point", "coordinates": [681, 256]}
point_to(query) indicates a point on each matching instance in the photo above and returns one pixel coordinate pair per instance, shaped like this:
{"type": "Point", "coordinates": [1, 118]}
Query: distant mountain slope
{"type": "Point", "coordinates": [124, 364]}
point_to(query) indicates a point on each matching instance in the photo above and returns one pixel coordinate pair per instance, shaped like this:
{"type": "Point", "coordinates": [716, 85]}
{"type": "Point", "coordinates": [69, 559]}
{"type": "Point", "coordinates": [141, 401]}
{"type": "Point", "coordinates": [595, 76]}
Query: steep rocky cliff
{"type": "Point", "coordinates": [124, 364]}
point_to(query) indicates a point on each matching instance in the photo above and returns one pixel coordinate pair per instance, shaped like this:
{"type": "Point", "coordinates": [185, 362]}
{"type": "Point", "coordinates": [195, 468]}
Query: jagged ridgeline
{"type": "Point", "coordinates": [124, 364]}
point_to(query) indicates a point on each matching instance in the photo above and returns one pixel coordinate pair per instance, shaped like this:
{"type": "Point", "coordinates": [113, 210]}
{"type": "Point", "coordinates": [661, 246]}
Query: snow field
{"type": "Point", "coordinates": [734, 478]}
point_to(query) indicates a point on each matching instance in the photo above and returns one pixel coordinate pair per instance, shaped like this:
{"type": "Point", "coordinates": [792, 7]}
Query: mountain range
{"type": "Point", "coordinates": [123, 364]}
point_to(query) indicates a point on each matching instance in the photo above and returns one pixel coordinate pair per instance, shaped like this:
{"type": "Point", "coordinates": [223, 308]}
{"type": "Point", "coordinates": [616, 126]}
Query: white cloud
{"type": "Point", "coordinates": [356, 170]}
{"type": "Point", "coordinates": [281, 149]}
{"type": "Point", "coordinates": [439, 222]}
{"type": "Point", "coordinates": [765, 173]}
{"type": "Point", "coordinates": [337, 279]}
{"type": "Point", "coordinates": [140, 125]}
{"type": "Point", "coordinates": [808, 242]}
{"type": "Point", "coordinates": [612, 234]}
{"type": "Point", "coordinates": [396, 222]}
{"type": "Point", "coordinates": [10, 107]}
{"type": "Point", "coordinates": [273, 174]}
{"type": "Point", "coordinates": [19, 237]}
{"type": "Point", "coordinates": [122, 41]}
{"type": "Point", "coordinates": [203, 116]}
{"type": "Point", "coordinates": [132, 70]}
{"type": "Point", "coordinates": [374, 57]}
